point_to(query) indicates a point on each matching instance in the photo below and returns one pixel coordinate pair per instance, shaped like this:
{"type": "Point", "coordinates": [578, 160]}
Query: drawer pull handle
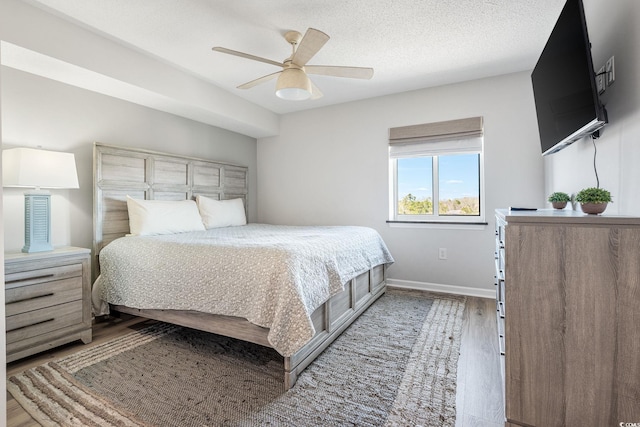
{"type": "Point", "coordinates": [33, 324]}
{"type": "Point", "coordinates": [44, 276]}
{"type": "Point", "coordinates": [501, 309]}
{"type": "Point", "coordinates": [32, 298]}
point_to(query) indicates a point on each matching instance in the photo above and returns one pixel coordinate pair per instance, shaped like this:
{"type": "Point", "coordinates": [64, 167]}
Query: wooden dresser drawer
{"type": "Point", "coordinates": [29, 277]}
{"type": "Point", "coordinates": [38, 322]}
{"type": "Point", "coordinates": [33, 297]}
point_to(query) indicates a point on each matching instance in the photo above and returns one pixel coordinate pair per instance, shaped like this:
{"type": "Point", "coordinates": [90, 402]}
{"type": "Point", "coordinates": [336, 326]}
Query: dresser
{"type": "Point", "coordinates": [48, 300]}
{"type": "Point", "coordinates": [568, 310]}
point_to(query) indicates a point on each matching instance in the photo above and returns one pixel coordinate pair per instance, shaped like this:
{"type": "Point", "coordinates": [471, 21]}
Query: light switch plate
{"type": "Point", "coordinates": [611, 71]}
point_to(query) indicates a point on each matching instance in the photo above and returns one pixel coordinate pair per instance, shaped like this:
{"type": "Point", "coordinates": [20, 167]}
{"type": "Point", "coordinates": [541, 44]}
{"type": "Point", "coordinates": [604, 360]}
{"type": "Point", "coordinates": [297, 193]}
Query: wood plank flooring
{"type": "Point", "coordinates": [479, 399]}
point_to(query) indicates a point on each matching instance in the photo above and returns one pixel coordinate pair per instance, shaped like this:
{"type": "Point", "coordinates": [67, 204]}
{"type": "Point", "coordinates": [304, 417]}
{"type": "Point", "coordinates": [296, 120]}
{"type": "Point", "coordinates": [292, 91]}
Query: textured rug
{"type": "Point", "coordinates": [395, 366]}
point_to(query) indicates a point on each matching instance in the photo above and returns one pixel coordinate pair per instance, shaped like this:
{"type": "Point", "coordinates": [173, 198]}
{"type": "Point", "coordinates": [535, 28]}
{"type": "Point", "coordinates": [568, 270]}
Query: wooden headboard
{"type": "Point", "coordinates": [149, 175]}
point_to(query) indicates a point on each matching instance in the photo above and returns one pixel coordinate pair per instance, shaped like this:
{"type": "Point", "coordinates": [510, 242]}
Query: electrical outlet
{"type": "Point", "coordinates": [611, 71]}
{"type": "Point", "coordinates": [600, 80]}
{"type": "Point", "coordinates": [442, 253]}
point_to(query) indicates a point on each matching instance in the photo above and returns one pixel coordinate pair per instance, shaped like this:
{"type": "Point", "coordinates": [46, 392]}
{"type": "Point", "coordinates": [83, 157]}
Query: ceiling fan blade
{"type": "Point", "coordinates": [257, 81]}
{"type": "Point", "coordinates": [336, 71]}
{"type": "Point", "coordinates": [310, 44]}
{"type": "Point", "coordinates": [315, 92]}
{"type": "Point", "coordinates": [246, 55]}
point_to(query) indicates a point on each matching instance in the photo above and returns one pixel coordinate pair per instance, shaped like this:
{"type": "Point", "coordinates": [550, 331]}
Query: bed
{"type": "Point", "coordinates": [328, 308]}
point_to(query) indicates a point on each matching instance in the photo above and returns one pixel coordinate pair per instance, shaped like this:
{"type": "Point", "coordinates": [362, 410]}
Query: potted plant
{"type": "Point", "coordinates": [593, 200]}
{"type": "Point", "coordinates": [559, 199]}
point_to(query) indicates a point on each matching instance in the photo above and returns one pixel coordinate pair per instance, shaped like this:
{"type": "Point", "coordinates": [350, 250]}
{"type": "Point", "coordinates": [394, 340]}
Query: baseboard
{"type": "Point", "coordinates": [447, 289]}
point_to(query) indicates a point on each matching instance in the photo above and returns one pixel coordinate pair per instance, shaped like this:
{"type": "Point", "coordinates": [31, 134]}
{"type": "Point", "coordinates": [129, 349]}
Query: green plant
{"type": "Point", "coordinates": [559, 196]}
{"type": "Point", "coordinates": [593, 195]}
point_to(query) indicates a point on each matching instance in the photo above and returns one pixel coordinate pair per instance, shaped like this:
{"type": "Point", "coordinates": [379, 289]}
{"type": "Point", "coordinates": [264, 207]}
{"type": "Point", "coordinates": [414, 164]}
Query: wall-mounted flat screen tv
{"type": "Point", "coordinates": [564, 83]}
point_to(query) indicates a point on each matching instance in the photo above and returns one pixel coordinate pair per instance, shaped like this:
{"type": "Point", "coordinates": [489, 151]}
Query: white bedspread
{"type": "Point", "coordinates": [273, 276]}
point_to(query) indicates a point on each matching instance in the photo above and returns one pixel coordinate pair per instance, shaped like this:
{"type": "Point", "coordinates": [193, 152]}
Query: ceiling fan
{"type": "Point", "coordinates": [293, 82]}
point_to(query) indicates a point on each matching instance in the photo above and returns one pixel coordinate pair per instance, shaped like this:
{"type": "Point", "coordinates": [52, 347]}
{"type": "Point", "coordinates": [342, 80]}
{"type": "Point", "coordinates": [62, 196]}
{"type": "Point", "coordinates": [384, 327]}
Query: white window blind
{"type": "Point", "coordinates": [432, 139]}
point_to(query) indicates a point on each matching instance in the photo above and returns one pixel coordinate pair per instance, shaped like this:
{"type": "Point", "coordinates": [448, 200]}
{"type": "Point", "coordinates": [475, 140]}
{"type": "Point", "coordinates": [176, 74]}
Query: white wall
{"type": "Point", "coordinates": [330, 166]}
{"type": "Point", "coordinates": [3, 348]}
{"type": "Point", "coordinates": [41, 43]}
{"type": "Point", "coordinates": [38, 111]}
{"type": "Point", "coordinates": [613, 31]}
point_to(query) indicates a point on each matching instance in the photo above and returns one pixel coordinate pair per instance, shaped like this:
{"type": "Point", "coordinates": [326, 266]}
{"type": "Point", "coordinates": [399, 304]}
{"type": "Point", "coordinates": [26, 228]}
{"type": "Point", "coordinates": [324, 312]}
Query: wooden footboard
{"type": "Point", "coordinates": [329, 320]}
{"type": "Point", "coordinates": [334, 316]}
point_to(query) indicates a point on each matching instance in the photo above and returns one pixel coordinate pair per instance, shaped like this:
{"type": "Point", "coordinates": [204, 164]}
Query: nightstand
{"type": "Point", "coordinates": [48, 300]}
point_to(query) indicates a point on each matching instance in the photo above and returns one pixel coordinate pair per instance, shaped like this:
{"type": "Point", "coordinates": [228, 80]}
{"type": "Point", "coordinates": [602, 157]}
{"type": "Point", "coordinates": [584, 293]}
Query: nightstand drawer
{"type": "Point", "coordinates": [38, 322]}
{"type": "Point", "coordinates": [33, 297]}
{"type": "Point", "coordinates": [30, 277]}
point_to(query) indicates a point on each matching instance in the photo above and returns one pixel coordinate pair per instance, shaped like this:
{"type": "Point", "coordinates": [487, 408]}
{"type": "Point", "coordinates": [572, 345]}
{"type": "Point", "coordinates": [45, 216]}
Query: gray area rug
{"type": "Point", "coordinates": [396, 366]}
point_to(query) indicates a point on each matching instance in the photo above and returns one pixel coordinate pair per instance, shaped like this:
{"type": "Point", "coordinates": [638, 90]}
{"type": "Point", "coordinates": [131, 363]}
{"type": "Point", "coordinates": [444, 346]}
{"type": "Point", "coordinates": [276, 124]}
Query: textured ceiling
{"type": "Point", "coordinates": [411, 44]}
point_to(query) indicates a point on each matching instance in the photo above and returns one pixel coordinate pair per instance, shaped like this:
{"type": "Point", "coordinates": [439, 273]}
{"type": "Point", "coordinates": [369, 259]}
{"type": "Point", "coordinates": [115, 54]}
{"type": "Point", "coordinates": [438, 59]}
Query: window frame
{"type": "Point", "coordinates": [435, 218]}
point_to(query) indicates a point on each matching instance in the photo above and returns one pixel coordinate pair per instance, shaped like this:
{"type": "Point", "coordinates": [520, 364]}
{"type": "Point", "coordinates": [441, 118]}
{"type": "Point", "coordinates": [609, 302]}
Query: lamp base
{"type": "Point", "coordinates": [37, 222]}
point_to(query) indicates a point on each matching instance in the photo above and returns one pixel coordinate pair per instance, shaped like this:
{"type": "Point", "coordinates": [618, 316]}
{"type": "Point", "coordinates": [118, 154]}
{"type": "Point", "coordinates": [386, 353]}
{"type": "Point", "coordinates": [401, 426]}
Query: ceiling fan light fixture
{"type": "Point", "coordinates": [293, 85]}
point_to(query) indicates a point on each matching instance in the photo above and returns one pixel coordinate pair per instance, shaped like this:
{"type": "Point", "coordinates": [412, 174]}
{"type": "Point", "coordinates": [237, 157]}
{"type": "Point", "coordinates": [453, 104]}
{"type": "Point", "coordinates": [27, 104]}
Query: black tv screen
{"type": "Point", "coordinates": [564, 84]}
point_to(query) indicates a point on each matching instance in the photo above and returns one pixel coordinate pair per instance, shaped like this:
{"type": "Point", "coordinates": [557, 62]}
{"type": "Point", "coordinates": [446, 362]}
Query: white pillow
{"type": "Point", "coordinates": [221, 213]}
{"type": "Point", "coordinates": [149, 217]}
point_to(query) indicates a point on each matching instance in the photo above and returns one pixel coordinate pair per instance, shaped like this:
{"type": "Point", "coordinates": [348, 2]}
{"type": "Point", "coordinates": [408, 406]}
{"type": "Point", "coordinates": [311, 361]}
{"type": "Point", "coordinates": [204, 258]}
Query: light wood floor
{"type": "Point", "coordinates": [479, 399]}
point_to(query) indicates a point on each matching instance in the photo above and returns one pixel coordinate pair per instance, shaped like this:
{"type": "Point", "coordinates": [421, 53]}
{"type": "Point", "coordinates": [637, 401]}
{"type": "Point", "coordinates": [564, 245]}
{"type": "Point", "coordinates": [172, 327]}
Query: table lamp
{"type": "Point", "coordinates": [38, 169]}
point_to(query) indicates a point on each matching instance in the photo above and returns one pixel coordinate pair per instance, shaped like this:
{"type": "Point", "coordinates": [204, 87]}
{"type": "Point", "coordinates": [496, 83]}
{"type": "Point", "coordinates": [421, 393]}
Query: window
{"type": "Point", "coordinates": [436, 172]}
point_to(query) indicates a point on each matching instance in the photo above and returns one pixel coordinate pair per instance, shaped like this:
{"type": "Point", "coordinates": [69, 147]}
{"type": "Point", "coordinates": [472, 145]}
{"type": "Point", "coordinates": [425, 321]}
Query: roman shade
{"type": "Point", "coordinates": [432, 139]}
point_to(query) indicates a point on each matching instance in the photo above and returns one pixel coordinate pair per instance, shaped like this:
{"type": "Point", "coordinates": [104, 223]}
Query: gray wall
{"type": "Point", "coordinates": [613, 31]}
{"type": "Point", "coordinates": [38, 111]}
{"type": "Point", "coordinates": [330, 166]}
{"type": "Point", "coordinates": [42, 43]}
{"type": "Point", "coordinates": [3, 348]}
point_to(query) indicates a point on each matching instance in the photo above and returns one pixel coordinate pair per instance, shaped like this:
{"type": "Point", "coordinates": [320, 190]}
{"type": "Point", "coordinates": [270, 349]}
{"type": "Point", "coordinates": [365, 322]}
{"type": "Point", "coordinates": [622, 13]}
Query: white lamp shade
{"type": "Point", "coordinates": [33, 168]}
{"type": "Point", "coordinates": [293, 85]}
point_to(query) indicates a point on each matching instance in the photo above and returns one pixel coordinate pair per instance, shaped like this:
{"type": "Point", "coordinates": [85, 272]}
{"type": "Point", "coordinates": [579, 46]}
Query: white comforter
{"type": "Point", "coordinates": [273, 276]}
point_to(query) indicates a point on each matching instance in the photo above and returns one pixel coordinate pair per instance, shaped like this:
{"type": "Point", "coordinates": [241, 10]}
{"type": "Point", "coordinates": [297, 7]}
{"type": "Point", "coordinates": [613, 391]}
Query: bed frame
{"type": "Point", "coordinates": [149, 175]}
